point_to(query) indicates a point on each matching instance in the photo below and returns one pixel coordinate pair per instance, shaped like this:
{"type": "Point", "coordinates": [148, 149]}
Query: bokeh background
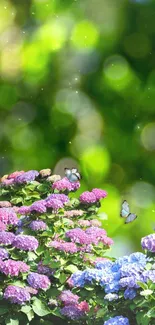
{"type": "Point", "coordinates": [77, 88]}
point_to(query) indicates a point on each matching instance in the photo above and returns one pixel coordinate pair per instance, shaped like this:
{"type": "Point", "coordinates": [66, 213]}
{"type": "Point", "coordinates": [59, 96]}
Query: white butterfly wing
{"type": "Point", "coordinates": [74, 170]}
{"type": "Point", "coordinates": [131, 217]}
{"type": "Point", "coordinates": [68, 172]}
{"type": "Point", "coordinates": [73, 178]}
{"type": "Point", "coordinates": [125, 209]}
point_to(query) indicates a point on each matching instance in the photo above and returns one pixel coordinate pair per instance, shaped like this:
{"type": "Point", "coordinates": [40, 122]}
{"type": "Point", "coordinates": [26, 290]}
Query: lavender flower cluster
{"type": "Point", "coordinates": [72, 308]}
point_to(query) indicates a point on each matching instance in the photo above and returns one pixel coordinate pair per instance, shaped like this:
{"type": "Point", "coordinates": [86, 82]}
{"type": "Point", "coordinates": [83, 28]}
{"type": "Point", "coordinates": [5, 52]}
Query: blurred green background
{"type": "Point", "coordinates": [77, 88]}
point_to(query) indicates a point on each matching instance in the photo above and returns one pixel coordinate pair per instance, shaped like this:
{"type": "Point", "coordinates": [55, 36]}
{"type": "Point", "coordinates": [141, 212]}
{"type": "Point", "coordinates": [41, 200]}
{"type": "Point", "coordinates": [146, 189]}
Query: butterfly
{"type": "Point", "coordinates": [125, 213]}
{"type": "Point", "coordinates": [72, 174]}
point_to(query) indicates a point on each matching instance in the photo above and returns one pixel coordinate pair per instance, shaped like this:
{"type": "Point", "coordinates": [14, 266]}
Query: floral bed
{"type": "Point", "coordinates": [53, 268]}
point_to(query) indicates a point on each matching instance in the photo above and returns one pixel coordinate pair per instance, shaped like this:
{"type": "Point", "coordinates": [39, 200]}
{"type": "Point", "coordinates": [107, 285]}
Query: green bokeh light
{"type": "Point", "coordinates": [84, 35]}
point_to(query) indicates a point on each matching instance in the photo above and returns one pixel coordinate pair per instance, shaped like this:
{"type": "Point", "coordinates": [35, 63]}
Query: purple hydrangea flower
{"type": "Point", "coordinates": [61, 197]}
{"type": "Point", "coordinates": [64, 246]}
{"type": "Point", "coordinates": [38, 206]}
{"type": "Point", "coordinates": [25, 242]}
{"type": "Point", "coordinates": [54, 204]}
{"type": "Point", "coordinates": [111, 296]}
{"type": "Point", "coordinates": [130, 293]}
{"type": "Point", "coordinates": [100, 194]}
{"type": "Point", "coordinates": [88, 197]}
{"type": "Point", "coordinates": [37, 225]}
{"type": "Point", "coordinates": [6, 238]}
{"type": "Point", "coordinates": [8, 216]}
{"type": "Point", "coordinates": [38, 281]}
{"type": "Point", "coordinates": [16, 295]}
{"type": "Point", "coordinates": [13, 268]}
{"type": "Point", "coordinates": [26, 177]}
{"type": "Point", "coordinates": [68, 298]}
{"type": "Point", "coordinates": [79, 236]}
{"type": "Point", "coordinates": [3, 254]}
{"type": "Point", "coordinates": [2, 226]}
{"type": "Point", "coordinates": [24, 210]}
{"type": "Point", "coordinates": [117, 320]}
{"type": "Point", "coordinates": [148, 243]}
{"type": "Point", "coordinates": [72, 312]}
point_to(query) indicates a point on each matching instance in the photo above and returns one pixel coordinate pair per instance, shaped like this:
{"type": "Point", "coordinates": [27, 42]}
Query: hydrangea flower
{"type": "Point", "coordinates": [2, 226]}
{"type": "Point", "coordinates": [24, 210]}
{"type": "Point", "coordinates": [25, 242]}
{"type": "Point", "coordinates": [38, 206]}
{"type": "Point", "coordinates": [148, 243]}
{"type": "Point", "coordinates": [64, 246]}
{"type": "Point", "coordinates": [65, 184]}
{"type": "Point", "coordinates": [37, 225]}
{"type": "Point", "coordinates": [88, 197]}
{"type": "Point", "coordinates": [5, 204]}
{"type": "Point", "coordinates": [95, 223]}
{"type": "Point", "coordinates": [16, 174]}
{"type": "Point", "coordinates": [117, 320]}
{"type": "Point", "coordinates": [3, 254]}
{"type": "Point", "coordinates": [73, 213]}
{"type": "Point", "coordinates": [16, 295]}
{"type": "Point", "coordinates": [100, 194]}
{"type": "Point", "coordinates": [26, 177]}
{"type": "Point", "coordinates": [38, 281]}
{"type": "Point", "coordinates": [111, 296]}
{"type": "Point", "coordinates": [6, 238]}
{"type": "Point", "coordinates": [54, 204]}
{"type": "Point", "coordinates": [68, 298]}
{"type": "Point", "coordinates": [61, 197]}
{"type": "Point", "coordinates": [130, 293]}
{"type": "Point", "coordinates": [72, 312]}
{"type": "Point", "coordinates": [13, 268]}
{"type": "Point", "coordinates": [8, 216]}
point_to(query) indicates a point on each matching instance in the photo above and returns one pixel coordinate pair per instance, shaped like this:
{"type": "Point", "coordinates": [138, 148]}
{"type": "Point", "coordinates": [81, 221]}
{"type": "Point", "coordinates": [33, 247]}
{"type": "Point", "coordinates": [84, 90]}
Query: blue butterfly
{"type": "Point", "coordinates": [72, 174]}
{"type": "Point", "coordinates": [125, 213]}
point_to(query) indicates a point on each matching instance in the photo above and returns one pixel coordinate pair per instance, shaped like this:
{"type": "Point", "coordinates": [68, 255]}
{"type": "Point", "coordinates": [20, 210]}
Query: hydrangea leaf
{"type": "Point", "coordinates": [40, 308]}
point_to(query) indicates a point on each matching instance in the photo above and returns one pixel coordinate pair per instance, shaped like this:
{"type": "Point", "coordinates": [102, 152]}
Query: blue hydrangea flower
{"type": "Point", "coordinates": [129, 293]}
{"type": "Point", "coordinates": [117, 320]}
{"type": "Point", "coordinates": [78, 279]}
{"type": "Point", "coordinates": [112, 287]}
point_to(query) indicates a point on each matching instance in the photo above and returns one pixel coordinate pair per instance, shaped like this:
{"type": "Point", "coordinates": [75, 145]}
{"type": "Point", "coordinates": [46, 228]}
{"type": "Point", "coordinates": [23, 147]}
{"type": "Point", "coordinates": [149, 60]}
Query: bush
{"type": "Point", "coordinates": [52, 263]}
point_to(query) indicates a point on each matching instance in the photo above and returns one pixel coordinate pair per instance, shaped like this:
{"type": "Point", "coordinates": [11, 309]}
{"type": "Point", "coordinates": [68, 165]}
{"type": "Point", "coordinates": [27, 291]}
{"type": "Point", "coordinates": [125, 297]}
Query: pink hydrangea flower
{"type": "Point", "coordinates": [100, 194]}
{"type": "Point", "coordinates": [87, 197]}
{"type": "Point", "coordinates": [73, 213]}
{"type": "Point", "coordinates": [83, 305]}
{"type": "Point", "coordinates": [15, 174]}
{"type": "Point", "coordinates": [65, 184]}
{"type": "Point", "coordinates": [13, 268]}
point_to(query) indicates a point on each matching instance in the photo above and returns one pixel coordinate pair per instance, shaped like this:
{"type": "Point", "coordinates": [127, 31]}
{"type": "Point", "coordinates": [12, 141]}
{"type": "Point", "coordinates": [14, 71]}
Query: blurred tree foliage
{"type": "Point", "coordinates": [78, 87]}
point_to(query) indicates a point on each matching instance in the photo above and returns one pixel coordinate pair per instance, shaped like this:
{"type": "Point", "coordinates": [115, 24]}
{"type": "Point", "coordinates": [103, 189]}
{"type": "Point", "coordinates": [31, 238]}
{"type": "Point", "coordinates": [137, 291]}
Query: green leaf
{"type": "Point", "coordinates": [151, 313]}
{"type": "Point", "coordinates": [142, 285]}
{"type": "Point", "coordinates": [142, 318]}
{"type": "Point", "coordinates": [40, 308]}
{"type": "Point", "coordinates": [30, 315]}
{"type": "Point", "coordinates": [32, 256]}
{"type": "Point", "coordinates": [11, 321]}
{"type": "Point", "coordinates": [71, 268]}
{"type": "Point", "coordinates": [101, 312]}
{"type": "Point", "coordinates": [26, 309]}
{"type": "Point", "coordinates": [3, 310]}
{"type": "Point", "coordinates": [63, 277]}
{"type": "Point", "coordinates": [17, 283]}
{"type": "Point", "coordinates": [54, 264]}
{"type": "Point", "coordinates": [16, 200]}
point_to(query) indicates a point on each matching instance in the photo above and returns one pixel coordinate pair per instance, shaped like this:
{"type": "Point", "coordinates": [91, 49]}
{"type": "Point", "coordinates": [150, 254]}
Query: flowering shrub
{"type": "Point", "coordinates": [52, 264]}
